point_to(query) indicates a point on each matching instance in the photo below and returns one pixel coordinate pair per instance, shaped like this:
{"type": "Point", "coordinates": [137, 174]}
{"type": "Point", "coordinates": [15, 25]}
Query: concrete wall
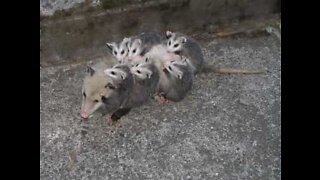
{"type": "Point", "coordinates": [48, 7]}
{"type": "Point", "coordinates": [82, 31]}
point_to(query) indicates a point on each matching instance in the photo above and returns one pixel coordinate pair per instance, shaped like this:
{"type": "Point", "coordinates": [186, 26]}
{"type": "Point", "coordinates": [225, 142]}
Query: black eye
{"type": "Point", "coordinates": [103, 99]}
{"type": "Point", "coordinates": [113, 73]}
{"type": "Point", "coordinates": [169, 43]}
{"type": "Point", "coordinates": [138, 71]}
{"type": "Point", "coordinates": [84, 94]}
{"type": "Point", "coordinates": [110, 86]}
{"type": "Point", "coordinates": [115, 52]}
{"type": "Point", "coordinates": [170, 68]}
{"type": "Point", "coordinates": [122, 51]}
{"type": "Point", "coordinates": [134, 51]}
{"type": "Point", "coordinates": [96, 101]}
{"type": "Point", "coordinates": [176, 45]}
{"type": "Point", "coordinates": [137, 65]}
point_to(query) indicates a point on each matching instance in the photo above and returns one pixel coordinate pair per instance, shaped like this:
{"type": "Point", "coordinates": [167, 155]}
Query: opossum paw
{"type": "Point", "coordinates": [161, 100]}
{"type": "Point", "coordinates": [111, 121]}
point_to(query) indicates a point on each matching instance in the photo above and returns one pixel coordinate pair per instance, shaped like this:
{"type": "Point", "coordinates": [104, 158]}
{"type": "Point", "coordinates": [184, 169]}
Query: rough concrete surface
{"type": "Point", "coordinates": [227, 128]}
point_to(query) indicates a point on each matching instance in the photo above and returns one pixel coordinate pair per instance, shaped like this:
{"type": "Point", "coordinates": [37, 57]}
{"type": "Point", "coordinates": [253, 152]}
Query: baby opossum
{"type": "Point", "coordinates": [157, 57]}
{"type": "Point", "coordinates": [180, 44]}
{"type": "Point", "coordinates": [145, 81]}
{"type": "Point", "coordinates": [142, 43]}
{"type": "Point", "coordinates": [121, 74]}
{"type": "Point", "coordinates": [176, 80]}
{"type": "Point", "coordinates": [146, 78]}
{"type": "Point", "coordinates": [101, 91]}
{"type": "Point", "coordinates": [119, 50]}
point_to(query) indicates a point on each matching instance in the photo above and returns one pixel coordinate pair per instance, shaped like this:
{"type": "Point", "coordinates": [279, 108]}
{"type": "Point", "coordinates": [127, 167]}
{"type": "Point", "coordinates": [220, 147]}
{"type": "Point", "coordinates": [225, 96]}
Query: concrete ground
{"type": "Point", "coordinates": [227, 128]}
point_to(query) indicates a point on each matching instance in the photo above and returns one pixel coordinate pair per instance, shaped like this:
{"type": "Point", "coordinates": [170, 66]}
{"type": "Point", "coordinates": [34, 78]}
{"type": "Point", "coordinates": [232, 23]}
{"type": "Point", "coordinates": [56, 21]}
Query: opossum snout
{"type": "Point", "coordinates": [84, 115]}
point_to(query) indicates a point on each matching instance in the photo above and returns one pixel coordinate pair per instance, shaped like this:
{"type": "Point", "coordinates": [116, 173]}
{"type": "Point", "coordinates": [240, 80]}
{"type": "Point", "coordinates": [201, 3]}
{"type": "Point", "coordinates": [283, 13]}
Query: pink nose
{"type": "Point", "coordinates": [84, 115]}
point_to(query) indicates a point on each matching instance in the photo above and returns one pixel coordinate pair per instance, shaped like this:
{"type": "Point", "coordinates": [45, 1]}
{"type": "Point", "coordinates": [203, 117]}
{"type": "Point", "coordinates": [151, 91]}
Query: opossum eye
{"type": "Point", "coordinates": [122, 51]}
{"type": "Point", "coordinates": [176, 45]}
{"type": "Point", "coordinates": [96, 101]}
{"type": "Point", "coordinates": [139, 72]}
{"type": "Point", "coordinates": [170, 68]}
{"type": "Point", "coordinates": [110, 86]}
{"type": "Point", "coordinates": [113, 73]}
{"type": "Point", "coordinates": [103, 99]}
{"type": "Point", "coordinates": [134, 51]}
{"type": "Point", "coordinates": [169, 43]}
{"type": "Point", "coordinates": [84, 94]}
{"type": "Point", "coordinates": [115, 52]}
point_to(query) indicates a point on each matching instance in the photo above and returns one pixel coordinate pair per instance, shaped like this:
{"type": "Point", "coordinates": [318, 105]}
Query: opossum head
{"type": "Point", "coordinates": [173, 67]}
{"type": "Point", "coordinates": [140, 69]}
{"type": "Point", "coordinates": [175, 43]}
{"type": "Point", "coordinates": [116, 73]}
{"type": "Point", "coordinates": [135, 48]}
{"type": "Point", "coordinates": [120, 51]}
{"type": "Point", "coordinates": [96, 89]}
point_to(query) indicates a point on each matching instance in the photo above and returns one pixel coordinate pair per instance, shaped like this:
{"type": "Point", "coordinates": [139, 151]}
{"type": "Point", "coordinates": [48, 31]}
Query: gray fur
{"type": "Point", "coordinates": [144, 88]}
{"type": "Point", "coordinates": [175, 89]}
{"type": "Point", "coordinates": [125, 86]}
{"type": "Point", "coordinates": [190, 49]}
{"type": "Point", "coordinates": [148, 40]}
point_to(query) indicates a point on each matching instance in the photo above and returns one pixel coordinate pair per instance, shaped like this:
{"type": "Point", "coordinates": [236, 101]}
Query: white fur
{"type": "Point", "coordinates": [135, 48]}
{"type": "Point", "coordinates": [120, 51]}
{"type": "Point", "coordinates": [174, 45]}
{"type": "Point", "coordinates": [116, 74]}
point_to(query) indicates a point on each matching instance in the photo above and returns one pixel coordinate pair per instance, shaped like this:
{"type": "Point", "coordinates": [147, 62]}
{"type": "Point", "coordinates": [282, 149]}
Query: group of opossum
{"type": "Point", "coordinates": [148, 66]}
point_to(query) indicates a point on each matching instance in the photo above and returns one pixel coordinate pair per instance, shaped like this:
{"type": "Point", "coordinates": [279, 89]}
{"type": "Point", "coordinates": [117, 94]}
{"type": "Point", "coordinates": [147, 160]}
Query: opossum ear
{"type": "Point", "coordinates": [111, 45]}
{"type": "Point", "coordinates": [90, 71]}
{"type": "Point", "coordinates": [149, 74]}
{"type": "Point", "coordinates": [169, 34]}
{"type": "Point", "coordinates": [184, 59]}
{"type": "Point", "coordinates": [126, 40]}
{"type": "Point", "coordinates": [123, 75]}
{"type": "Point", "coordinates": [138, 42]}
{"type": "Point", "coordinates": [179, 75]}
{"type": "Point", "coordinates": [110, 86]}
{"type": "Point", "coordinates": [147, 59]}
{"type": "Point", "coordinates": [183, 39]}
